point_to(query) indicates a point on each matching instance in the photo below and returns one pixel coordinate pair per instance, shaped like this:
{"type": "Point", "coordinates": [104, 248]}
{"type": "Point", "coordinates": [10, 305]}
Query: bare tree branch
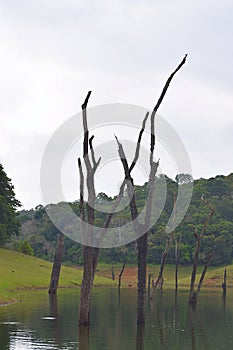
{"type": "Point", "coordinates": [84, 105]}
{"type": "Point", "coordinates": [95, 164]}
{"type": "Point", "coordinates": [159, 103]}
{"type": "Point", "coordinates": [122, 187]}
{"type": "Point", "coordinates": [139, 143]}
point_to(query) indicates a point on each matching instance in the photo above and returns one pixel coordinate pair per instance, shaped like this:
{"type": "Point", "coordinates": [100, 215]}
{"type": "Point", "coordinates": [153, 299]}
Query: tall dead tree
{"type": "Point", "coordinates": [138, 227]}
{"type": "Point", "coordinates": [55, 274]}
{"type": "Point", "coordinates": [192, 294]}
{"type": "Point", "coordinates": [90, 254]}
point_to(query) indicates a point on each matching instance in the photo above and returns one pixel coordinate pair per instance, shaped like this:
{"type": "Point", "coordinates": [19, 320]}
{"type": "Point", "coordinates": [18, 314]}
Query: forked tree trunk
{"type": "Point", "coordinates": [139, 228]}
{"type": "Point", "coordinates": [159, 281]}
{"type": "Point", "coordinates": [121, 273]}
{"type": "Point", "coordinates": [54, 280]}
{"type": "Point", "coordinates": [90, 254]}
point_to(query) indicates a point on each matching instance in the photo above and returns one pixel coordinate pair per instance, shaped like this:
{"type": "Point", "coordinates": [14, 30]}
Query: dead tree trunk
{"type": "Point", "coordinates": [54, 280]}
{"type": "Point", "coordinates": [149, 280]}
{"type": "Point", "coordinates": [177, 261]}
{"type": "Point", "coordinates": [224, 284]}
{"type": "Point", "coordinates": [90, 254]}
{"type": "Point", "coordinates": [121, 273]}
{"type": "Point", "coordinates": [139, 228]}
{"type": "Point", "coordinates": [169, 241]}
{"type": "Point", "coordinates": [113, 273]}
{"type": "Point", "coordinates": [159, 281]}
{"type": "Point", "coordinates": [192, 294]}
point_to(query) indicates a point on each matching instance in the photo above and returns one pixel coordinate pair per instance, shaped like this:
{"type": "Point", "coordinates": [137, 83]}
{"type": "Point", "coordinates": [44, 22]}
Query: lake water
{"type": "Point", "coordinates": [41, 323]}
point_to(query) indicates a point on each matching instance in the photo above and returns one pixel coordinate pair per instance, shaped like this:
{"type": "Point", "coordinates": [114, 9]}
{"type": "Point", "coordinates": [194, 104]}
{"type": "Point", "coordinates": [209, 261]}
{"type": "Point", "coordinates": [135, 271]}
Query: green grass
{"type": "Point", "coordinates": [20, 272]}
{"type": "Point", "coordinates": [213, 278]}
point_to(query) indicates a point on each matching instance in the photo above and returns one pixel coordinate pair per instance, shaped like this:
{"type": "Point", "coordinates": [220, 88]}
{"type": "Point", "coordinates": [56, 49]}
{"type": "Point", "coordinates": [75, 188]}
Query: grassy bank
{"type": "Point", "coordinates": [213, 279]}
{"type": "Point", "coordinates": [20, 272]}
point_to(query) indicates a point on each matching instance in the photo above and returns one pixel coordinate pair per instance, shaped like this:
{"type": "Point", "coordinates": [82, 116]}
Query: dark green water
{"type": "Point", "coordinates": [39, 323]}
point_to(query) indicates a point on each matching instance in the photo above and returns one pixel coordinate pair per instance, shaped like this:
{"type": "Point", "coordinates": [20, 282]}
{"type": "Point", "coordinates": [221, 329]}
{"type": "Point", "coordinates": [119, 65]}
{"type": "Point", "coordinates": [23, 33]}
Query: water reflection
{"type": "Point", "coordinates": [197, 328]}
{"type": "Point", "coordinates": [83, 335]}
{"type": "Point", "coordinates": [140, 337]}
{"type": "Point", "coordinates": [51, 323]}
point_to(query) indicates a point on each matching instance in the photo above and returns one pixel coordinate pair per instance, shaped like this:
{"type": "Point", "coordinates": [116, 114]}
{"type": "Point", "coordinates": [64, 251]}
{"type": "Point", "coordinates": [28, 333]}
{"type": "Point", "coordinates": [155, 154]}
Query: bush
{"type": "Point", "coordinates": [23, 246]}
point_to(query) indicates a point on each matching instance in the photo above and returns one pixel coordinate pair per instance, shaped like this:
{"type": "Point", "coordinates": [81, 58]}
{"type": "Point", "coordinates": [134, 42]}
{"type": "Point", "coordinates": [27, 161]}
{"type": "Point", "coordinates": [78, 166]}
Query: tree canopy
{"type": "Point", "coordinates": [9, 223]}
{"type": "Point", "coordinates": [42, 234]}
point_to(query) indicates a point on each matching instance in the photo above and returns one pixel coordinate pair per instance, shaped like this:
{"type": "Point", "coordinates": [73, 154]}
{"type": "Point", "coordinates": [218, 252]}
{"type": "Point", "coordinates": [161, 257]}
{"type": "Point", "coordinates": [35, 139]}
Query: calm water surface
{"type": "Point", "coordinates": [42, 323]}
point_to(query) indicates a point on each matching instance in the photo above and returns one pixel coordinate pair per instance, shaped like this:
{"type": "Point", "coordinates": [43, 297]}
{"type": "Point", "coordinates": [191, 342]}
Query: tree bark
{"type": "Point", "coordinates": [149, 281]}
{"type": "Point", "coordinates": [90, 254]}
{"type": "Point", "coordinates": [142, 255]}
{"type": "Point", "coordinates": [224, 284]}
{"type": "Point", "coordinates": [54, 280]}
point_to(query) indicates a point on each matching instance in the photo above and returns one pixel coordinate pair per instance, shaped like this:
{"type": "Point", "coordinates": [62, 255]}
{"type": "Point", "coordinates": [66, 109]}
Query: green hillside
{"type": "Point", "coordinates": [19, 272]}
{"type": "Point", "coordinates": [41, 235]}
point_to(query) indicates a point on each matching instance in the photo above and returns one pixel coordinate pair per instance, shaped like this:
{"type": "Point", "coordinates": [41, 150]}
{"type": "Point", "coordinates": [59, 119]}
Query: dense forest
{"type": "Point", "coordinates": [38, 235]}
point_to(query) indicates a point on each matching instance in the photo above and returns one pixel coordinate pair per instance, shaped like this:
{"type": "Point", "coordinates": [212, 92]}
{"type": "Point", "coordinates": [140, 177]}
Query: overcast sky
{"type": "Point", "coordinates": [53, 52]}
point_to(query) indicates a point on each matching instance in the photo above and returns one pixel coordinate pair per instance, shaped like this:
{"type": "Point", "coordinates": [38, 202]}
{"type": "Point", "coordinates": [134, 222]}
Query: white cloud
{"type": "Point", "coordinates": [53, 52]}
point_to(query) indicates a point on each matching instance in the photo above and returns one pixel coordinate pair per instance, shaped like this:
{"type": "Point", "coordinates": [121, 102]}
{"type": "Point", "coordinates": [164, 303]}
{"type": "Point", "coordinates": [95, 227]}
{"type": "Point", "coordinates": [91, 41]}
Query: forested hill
{"type": "Point", "coordinates": [38, 235]}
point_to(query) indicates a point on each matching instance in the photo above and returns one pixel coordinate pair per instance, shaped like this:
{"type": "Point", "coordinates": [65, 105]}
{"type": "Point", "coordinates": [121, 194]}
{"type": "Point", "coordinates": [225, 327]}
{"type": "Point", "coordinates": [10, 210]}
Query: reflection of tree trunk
{"type": "Point", "coordinates": [140, 337]}
{"type": "Point", "coordinates": [224, 301]}
{"type": "Point", "coordinates": [54, 280]}
{"type": "Point", "coordinates": [53, 307]}
{"type": "Point", "coordinates": [175, 311]}
{"type": "Point", "coordinates": [192, 327]}
{"type": "Point", "coordinates": [162, 335]}
{"type": "Point", "coordinates": [83, 338]}
{"type": "Point", "coordinates": [196, 326]}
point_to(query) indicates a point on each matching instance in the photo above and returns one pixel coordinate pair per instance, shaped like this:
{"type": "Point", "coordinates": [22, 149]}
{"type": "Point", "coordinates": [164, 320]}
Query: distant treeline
{"type": "Point", "coordinates": [38, 235]}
